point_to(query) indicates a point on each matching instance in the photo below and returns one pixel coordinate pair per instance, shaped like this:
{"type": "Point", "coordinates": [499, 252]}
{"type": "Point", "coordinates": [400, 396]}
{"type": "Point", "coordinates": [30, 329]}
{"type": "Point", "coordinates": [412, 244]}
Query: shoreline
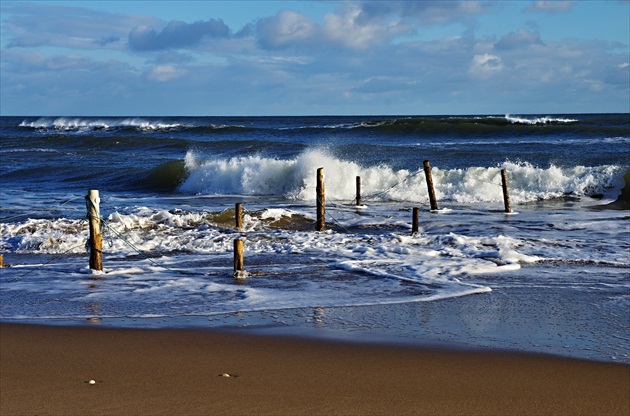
{"type": "Point", "coordinates": [539, 320]}
{"type": "Point", "coordinates": [47, 369]}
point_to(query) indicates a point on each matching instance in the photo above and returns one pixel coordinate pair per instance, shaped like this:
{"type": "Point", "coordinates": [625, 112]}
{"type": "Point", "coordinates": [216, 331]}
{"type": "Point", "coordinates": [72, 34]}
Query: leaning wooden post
{"type": "Point", "coordinates": [414, 221]}
{"type": "Point", "coordinates": [358, 190]}
{"type": "Point", "coordinates": [321, 201]}
{"type": "Point", "coordinates": [506, 195]}
{"type": "Point", "coordinates": [238, 215]}
{"type": "Point", "coordinates": [429, 177]}
{"type": "Point", "coordinates": [96, 238]}
{"type": "Point", "coordinates": [238, 256]}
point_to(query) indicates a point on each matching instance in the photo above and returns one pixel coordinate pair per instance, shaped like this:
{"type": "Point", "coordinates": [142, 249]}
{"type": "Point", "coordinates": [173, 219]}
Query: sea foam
{"type": "Point", "coordinates": [72, 124]}
{"type": "Point", "coordinates": [538, 120]}
{"type": "Point", "coordinates": [296, 179]}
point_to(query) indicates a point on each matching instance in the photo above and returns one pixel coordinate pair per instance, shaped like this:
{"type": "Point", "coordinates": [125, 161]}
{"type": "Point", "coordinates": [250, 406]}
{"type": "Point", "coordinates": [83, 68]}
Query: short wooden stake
{"type": "Point", "coordinates": [238, 215]}
{"type": "Point", "coordinates": [321, 201]}
{"type": "Point", "coordinates": [96, 238]}
{"type": "Point", "coordinates": [1, 260]}
{"type": "Point", "coordinates": [358, 190]}
{"type": "Point", "coordinates": [238, 255]}
{"type": "Point", "coordinates": [506, 195]}
{"type": "Point", "coordinates": [429, 177]}
{"type": "Point", "coordinates": [414, 221]}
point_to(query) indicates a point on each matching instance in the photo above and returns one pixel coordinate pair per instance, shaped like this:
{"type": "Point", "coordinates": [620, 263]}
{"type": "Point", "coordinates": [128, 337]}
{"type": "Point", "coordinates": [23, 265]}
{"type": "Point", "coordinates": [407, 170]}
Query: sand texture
{"type": "Point", "coordinates": [47, 371]}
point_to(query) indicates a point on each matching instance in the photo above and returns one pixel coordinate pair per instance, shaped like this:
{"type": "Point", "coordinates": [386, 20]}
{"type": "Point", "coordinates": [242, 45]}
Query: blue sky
{"type": "Point", "coordinates": [313, 57]}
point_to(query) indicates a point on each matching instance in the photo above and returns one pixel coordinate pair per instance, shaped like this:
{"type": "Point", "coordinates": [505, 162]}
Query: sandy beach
{"type": "Point", "coordinates": [48, 369]}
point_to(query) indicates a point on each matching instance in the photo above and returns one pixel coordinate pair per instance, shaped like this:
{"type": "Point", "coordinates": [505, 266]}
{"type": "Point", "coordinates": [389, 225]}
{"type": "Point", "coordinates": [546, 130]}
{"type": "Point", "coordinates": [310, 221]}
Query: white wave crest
{"type": "Point", "coordinates": [296, 179]}
{"type": "Point", "coordinates": [87, 124]}
{"type": "Point", "coordinates": [148, 125]}
{"type": "Point", "coordinates": [538, 120]}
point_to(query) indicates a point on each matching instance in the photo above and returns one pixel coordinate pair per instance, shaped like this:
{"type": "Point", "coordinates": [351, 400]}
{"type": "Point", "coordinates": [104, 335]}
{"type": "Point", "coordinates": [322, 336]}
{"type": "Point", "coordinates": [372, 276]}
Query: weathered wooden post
{"type": "Point", "coordinates": [96, 238]}
{"type": "Point", "coordinates": [414, 221]}
{"type": "Point", "coordinates": [321, 201]}
{"type": "Point", "coordinates": [1, 260]}
{"type": "Point", "coordinates": [238, 215]}
{"type": "Point", "coordinates": [429, 177]}
{"type": "Point", "coordinates": [238, 256]}
{"type": "Point", "coordinates": [506, 195]}
{"type": "Point", "coordinates": [358, 190]}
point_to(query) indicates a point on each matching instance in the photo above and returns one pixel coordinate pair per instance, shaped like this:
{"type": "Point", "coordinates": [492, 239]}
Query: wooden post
{"type": "Point", "coordinates": [1, 260]}
{"type": "Point", "coordinates": [321, 201]}
{"type": "Point", "coordinates": [238, 215]}
{"type": "Point", "coordinates": [414, 221]}
{"type": "Point", "coordinates": [429, 177]}
{"type": "Point", "coordinates": [506, 195]}
{"type": "Point", "coordinates": [358, 190]}
{"type": "Point", "coordinates": [238, 255]}
{"type": "Point", "coordinates": [96, 238]}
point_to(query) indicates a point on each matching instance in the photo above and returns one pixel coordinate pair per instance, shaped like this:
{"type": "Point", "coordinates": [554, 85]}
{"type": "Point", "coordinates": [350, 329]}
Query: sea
{"type": "Point", "coordinates": [552, 276]}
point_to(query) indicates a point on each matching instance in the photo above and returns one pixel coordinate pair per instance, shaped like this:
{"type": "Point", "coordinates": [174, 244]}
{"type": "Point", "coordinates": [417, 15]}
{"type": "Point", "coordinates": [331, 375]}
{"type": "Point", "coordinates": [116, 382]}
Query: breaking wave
{"type": "Point", "coordinates": [295, 179]}
{"type": "Point", "coordinates": [539, 120]}
{"type": "Point", "coordinates": [91, 124]}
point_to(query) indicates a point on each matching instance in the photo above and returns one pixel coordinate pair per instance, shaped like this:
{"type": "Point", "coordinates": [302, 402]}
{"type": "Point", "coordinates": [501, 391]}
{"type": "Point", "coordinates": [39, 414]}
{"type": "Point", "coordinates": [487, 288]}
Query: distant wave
{"type": "Point", "coordinates": [295, 178]}
{"type": "Point", "coordinates": [456, 126]}
{"type": "Point", "coordinates": [81, 124]}
{"type": "Point", "coordinates": [528, 140]}
{"type": "Point", "coordinates": [90, 124]}
{"type": "Point", "coordinates": [538, 120]}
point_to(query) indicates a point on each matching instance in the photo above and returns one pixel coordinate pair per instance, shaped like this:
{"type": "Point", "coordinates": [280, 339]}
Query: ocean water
{"type": "Point", "coordinates": [168, 186]}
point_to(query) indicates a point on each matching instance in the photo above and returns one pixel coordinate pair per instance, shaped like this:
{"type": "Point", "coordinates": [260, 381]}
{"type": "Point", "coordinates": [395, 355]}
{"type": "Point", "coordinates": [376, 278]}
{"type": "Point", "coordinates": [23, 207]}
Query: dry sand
{"type": "Point", "coordinates": [46, 371]}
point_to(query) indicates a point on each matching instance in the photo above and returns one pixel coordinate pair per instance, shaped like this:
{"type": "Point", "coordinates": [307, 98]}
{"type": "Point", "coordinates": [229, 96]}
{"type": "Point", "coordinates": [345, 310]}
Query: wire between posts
{"type": "Point", "coordinates": [500, 185]}
{"type": "Point", "coordinates": [333, 218]}
{"type": "Point", "coordinates": [370, 196]}
{"type": "Point", "coordinates": [105, 225]}
{"type": "Point", "coordinates": [488, 182]}
{"type": "Point", "coordinates": [55, 256]}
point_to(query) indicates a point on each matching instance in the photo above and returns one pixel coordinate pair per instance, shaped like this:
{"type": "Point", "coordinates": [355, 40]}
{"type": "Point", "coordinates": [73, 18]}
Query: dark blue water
{"type": "Point", "coordinates": [133, 153]}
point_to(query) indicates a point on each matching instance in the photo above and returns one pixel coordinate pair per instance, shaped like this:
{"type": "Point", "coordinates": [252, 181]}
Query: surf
{"type": "Point", "coordinates": [295, 179]}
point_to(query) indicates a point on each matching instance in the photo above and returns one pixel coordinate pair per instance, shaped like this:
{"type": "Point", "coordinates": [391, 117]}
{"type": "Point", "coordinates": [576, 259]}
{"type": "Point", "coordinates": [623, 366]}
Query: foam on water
{"type": "Point", "coordinates": [88, 124]}
{"type": "Point", "coordinates": [391, 267]}
{"type": "Point", "coordinates": [439, 261]}
{"type": "Point", "coordinates": [294, 178]}
{"type": "Point", "coordinates": [538, 120]}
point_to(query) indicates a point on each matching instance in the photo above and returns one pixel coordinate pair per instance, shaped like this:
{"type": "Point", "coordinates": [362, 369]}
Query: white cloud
{"type": "Point", "coordinates": [163, 73]}
{"type": "Point", "coordinates": [485, 65]}
{"type": "Point", "coordinates": [347, 28]}
{"type": "Point", "coordinates": [350, 30]}
{"type": "Point", "coordinates": [286, 28]}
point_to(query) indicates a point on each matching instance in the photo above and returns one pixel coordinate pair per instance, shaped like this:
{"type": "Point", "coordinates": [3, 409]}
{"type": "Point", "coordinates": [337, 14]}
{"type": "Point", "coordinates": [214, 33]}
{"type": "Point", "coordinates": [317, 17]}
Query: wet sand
{"type": "Point", "coordinates": [47, 369]}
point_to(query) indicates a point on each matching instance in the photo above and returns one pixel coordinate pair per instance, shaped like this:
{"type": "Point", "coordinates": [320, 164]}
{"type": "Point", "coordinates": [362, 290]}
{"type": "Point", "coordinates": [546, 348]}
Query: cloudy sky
{"type": "Point", "coordinates": [313, 57]}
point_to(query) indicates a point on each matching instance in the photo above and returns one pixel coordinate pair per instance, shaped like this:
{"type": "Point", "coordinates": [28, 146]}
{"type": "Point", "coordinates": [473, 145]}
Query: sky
{"type": "Point", "coordinates": [266, 58]}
